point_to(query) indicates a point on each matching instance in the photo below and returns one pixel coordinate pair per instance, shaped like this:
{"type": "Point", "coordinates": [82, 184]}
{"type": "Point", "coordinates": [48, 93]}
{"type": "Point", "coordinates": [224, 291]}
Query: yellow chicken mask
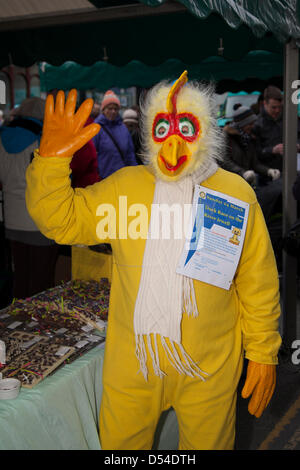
{"type": "Point", "coordinates": [177, 135]}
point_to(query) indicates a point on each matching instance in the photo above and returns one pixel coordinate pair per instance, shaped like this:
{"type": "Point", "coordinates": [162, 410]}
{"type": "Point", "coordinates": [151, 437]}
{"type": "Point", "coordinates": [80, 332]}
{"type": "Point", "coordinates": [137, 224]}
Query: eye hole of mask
{"type": "Point", "coordinates": [162, 128]}
{"type": "Point", "coordinates": [186, 127]}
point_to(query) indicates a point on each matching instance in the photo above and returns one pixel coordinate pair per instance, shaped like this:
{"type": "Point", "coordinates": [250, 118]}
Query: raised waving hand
{"type": "Point", "coordinates": [63, 130]}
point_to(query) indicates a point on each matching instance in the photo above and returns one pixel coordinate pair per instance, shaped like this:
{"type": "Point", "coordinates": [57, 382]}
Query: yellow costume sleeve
{"type": "Point", "coordinates": [65, 215]}
{"type": "Point", "coordinates": [258, 290]}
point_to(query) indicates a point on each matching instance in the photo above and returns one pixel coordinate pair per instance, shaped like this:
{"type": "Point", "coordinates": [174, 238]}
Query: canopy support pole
{"type": "Point", "coordinates": [289, 209]}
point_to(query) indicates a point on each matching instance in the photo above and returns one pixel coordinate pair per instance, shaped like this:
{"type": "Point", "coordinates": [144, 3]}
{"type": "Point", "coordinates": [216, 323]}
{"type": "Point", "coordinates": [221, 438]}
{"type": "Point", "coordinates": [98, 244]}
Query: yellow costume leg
{"type": "Point", "coordinates": [205, 411]}
{"type": "Point", "coordinates": [205, 424]}
{"type": "Point", "coordinates": [131, 406]}
{"type": "Point", "coordinates": [129, 416]}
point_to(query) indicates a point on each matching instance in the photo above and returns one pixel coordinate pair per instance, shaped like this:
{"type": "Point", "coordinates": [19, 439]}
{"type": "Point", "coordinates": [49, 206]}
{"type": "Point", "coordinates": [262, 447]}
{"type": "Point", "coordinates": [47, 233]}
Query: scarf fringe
{"type": "Point", "coordinates": [185, 367]}
{"type": "Point", "coordinates": [189, 299]}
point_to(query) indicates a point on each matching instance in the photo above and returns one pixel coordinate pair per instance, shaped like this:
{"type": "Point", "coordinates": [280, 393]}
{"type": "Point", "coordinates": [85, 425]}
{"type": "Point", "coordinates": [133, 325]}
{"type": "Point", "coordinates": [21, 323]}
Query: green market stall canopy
{"type": "Point", "coordinates": [148, 31]}
{"type": "Point", "coordinates": [101, 75]}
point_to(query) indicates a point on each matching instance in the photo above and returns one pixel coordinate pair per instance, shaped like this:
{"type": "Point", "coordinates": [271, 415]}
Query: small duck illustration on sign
{"type": "Point", "coordinates": [236, 233]}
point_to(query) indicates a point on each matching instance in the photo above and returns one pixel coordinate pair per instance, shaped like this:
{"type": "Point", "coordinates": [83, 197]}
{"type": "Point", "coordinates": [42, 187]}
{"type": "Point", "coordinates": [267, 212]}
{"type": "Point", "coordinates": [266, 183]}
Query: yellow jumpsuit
{"type": "Point", "coordinates": [231, 324]}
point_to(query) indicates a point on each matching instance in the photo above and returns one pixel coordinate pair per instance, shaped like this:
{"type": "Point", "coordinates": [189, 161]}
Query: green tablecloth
{"type": "Point", "coordinates": [61, 412]}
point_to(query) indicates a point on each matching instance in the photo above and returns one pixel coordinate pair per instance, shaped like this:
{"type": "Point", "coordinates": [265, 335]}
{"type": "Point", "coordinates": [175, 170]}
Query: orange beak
{"type": "Point", "coordinates": [173, 156]}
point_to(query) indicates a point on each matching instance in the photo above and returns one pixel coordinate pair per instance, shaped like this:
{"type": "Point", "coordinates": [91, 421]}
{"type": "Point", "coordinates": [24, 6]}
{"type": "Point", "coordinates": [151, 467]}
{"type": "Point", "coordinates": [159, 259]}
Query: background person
{"type": "Point", "coordinates": [241, 156]}
{"type": "Point", "coordinates": [33, 255]}
{"type": "Point", "coordinates": [296, 187]}
{"type": "Point", "coordinates": [113, 142]}
{"type": "Point", "coordinates": [268, 129]}
{"type": "Point", "coordinates": [84, 164]}
{"type": "Point", "coordinates": [96, 111]}
{"type": "Point", "coordinates": [131, 121]}
{"type": "Point", "coordinates": [258, 106]}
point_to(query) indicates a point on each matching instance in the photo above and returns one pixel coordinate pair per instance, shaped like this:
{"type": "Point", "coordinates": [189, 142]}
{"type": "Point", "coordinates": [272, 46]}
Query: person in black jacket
{"type": "Point", "coordinates": [268, 129]}
{"type": "Point", "coordinates": [296, 188]}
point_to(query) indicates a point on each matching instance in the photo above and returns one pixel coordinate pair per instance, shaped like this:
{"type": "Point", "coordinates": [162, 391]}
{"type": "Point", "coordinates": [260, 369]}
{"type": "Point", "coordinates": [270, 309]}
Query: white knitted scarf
{"type": "Point", "coordinates": [163, 294]}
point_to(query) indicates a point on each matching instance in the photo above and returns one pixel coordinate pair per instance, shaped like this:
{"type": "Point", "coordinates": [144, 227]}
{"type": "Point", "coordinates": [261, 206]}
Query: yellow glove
{"type": "Point", "coordinates": [260, 383]}
{"type": "Point", "coordinates": [63, 131]}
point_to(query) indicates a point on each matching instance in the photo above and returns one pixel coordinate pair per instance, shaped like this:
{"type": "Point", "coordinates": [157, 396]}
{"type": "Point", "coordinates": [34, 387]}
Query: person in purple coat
{"type": "Point", "coordinates": [113, 142]}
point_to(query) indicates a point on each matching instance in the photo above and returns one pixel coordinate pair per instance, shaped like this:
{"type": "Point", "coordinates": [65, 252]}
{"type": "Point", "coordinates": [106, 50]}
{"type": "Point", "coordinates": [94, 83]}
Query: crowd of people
{"type": "Point", "coordinates": [253, 149]}
{"type": "Point", "coordinates": [32, 255]}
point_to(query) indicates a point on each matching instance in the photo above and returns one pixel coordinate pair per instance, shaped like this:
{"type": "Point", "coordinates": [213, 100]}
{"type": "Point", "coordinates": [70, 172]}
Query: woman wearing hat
{"type": "Point", "coordinates": [242, 157]}
{"type": "Point", "coordinates": [113, 142]}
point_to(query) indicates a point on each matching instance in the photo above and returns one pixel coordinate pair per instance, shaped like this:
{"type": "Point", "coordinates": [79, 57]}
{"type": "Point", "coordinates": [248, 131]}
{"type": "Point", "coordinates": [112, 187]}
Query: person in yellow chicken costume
{"type": "Point", "coordinates": [172, 341]}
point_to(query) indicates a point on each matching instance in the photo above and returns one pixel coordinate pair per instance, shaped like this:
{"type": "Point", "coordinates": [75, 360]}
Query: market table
{"type": "Point", "coordinates": [61, 412]}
